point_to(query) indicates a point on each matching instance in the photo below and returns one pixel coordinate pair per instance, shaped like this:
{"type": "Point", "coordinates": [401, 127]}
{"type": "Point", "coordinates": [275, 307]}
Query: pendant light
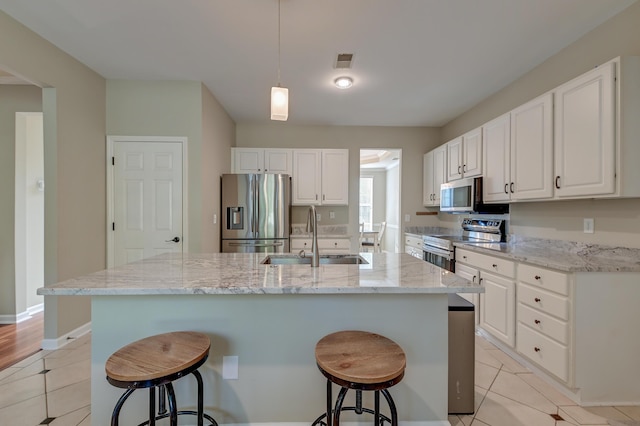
{"type": "Point", "coordinates": [279, 95]}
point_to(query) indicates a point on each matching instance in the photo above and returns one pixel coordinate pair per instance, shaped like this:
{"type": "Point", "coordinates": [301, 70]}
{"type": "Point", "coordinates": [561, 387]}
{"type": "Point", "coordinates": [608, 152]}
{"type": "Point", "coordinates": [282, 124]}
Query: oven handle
{"type": "Point", "coordinates": [440, 252]}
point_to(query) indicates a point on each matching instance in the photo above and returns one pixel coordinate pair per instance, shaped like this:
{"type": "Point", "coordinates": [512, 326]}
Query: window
{"type": "Point", "coordinates": [366, 202]}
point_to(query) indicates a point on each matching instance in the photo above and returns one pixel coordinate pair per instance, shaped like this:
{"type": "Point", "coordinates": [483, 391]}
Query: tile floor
{"type": "Point", "coordinates": [53, 387]}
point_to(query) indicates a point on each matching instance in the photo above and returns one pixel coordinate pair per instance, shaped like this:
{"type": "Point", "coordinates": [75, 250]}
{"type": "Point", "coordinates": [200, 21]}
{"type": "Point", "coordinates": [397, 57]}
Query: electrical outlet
{"type": "Point", "coordinates": [230, 367]}
{"type": "Point", "coordinates": [588, 226]}
{"type": "Point", "coordinates": [407, 218]}
{"type": "Point", "coordinates": [332, 215]}
{"type": "Point", "coordinates": [318, 217]}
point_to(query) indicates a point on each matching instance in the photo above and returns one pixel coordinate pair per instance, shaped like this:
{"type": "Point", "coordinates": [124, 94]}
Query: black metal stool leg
{"type": "Point", "coordinates": [376, 408]}
{"type": "Point", "coordinates": [116, 410]}
{"type": "Point", "coordinates": [392, 407]}
{"type": "Point", "coordinates": [162, 406]}
{"type": "Point", "coordinates": [338, 408]}
{"type": "Point", "coordinates": [200, 398]}
{"type": "Point", "coordinates": [358, 408]}
{"type": "Point", "coordinates": [152, 406]}
{"type": "Point", "coordinates": [173, 410]}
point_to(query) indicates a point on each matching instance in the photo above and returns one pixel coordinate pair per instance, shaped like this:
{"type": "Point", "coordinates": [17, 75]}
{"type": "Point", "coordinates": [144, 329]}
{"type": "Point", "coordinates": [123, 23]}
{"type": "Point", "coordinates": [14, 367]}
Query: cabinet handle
{"type": "Point", "coordinates": [323, 198]}
{"type": "Point", "coordinates": [464, 168]}
{"type": "Point", "coordinates": [537, 299]}
{"type": "Point", "coordinates": [464, 257]}
{"type": "Point", "coordinates": [506, 186]}
{"type": "Point", "coordinates": [480, 282]}
{"type": "Point", "coordinates": [473, 280]}
{"type": "Point", "coordinates": [537, 277]}
{"type": "Point", "coordinates": [536, 321]}
{"type": "Point", "coordinates": [459, 170]}
{"type": "Point", "coordinates": [557, 182]}
{"type": "Point", "coordinates": [494, 265]}
{"type": "Point", "coordinates": [537, 349]}
{"type": "Point", "coordinates": [511, 187]}
{"type": "Point", "coordinates": [316, 197]}
{"type": "Point", "coordinates": [335, 244]}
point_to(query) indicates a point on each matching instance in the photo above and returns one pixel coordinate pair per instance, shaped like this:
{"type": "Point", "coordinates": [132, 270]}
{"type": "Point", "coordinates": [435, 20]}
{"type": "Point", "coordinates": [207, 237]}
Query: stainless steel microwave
{"type": "Point", "coordinates": [465, 196]}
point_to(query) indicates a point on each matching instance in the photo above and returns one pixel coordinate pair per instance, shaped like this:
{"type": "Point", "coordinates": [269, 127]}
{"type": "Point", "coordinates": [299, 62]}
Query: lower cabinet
{"type": "Point", "coordinates": [497, 303]}
{"type": "Point", "coordinates": [413, 245]}
{"type": "Point", "coordinates": [334, 245]}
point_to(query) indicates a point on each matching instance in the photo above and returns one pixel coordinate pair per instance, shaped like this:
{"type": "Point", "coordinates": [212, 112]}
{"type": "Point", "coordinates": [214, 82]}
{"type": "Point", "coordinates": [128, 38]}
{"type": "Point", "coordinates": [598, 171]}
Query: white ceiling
{"type": "Point", "coordinates": [417, 62]}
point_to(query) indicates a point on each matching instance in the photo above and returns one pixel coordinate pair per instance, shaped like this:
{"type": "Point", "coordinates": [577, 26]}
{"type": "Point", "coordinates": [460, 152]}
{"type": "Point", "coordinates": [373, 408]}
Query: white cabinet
{"type": "Point", "coordinates": [434, 169]}
{"type": "Point", "coordinates": [596, 132]}
{"type": "Point", "coordinates": [413, 245]}
{"type": "Point", "coordinates": [331, 245]}
{"type": "Point", "coordinates": [545, 319]}
{"type": "Point", "coordinates": [320, 176]}
{"type": "Point", "coordinates": [518, 153]}
{"type": "Point", "coordinates": [497, 303]}
{"type": "Point", "coordinates": [473, 275]}
{"type": "Point", "coordinates": [258, 160]}
{"type": "Point", "coordinates": [464, 155]}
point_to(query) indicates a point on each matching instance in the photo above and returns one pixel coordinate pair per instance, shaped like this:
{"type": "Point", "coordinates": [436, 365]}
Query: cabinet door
{"type": "Point", "coordinates": [454, 159]}
{"type": "Point", "coordinates": [496, 136]}
{"type": "Point", "coordinates": [335, 176]}
{"type": "Point", "coordinates": [472, 274]}
{"type": "Point", "coordinates": [428, 191]}
{"type": "Point", "coordinates": [305, 182]}
{"type": "Point", "coordinates": [585, 134]}
{"type": "Point", "coordinates": [439, 172]}
{"type": "Point", "coordinates": [497, 310]}
{"type": "Point", "coordinates": [472, 153]}
{"type": "Point", "coordinates": [248, 160]}
{"type": "Point", "coordinates": [277, 161]}
{"type": "Point", "coordinates": [532, 149]}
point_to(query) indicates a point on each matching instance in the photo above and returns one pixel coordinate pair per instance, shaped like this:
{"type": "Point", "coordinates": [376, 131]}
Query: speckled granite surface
{"type": "Point", "coordinates": [242, 273]}
{"type": "Point", "coordinates": [568, 256]}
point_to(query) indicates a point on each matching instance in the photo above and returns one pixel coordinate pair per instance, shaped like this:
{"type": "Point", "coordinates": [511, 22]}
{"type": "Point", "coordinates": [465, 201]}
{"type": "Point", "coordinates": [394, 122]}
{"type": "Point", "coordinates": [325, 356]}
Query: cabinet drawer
{"type": "Point", "coordinates": [411, 241]}
{"type": "Point", "coordinates": [300, 243]}
{"type": "Point", "coordinates": [544, 301]}
{"type": "Point", "coordinates": [334, 244]}
{"type": "Point", "coordinates": [543, 323]}
{"type": "Point", "coordinates": [544, 278]}
{"type": "Point", "coordinates": [496, 265]}
{"type": "Point", "coordinates": [548, 354]}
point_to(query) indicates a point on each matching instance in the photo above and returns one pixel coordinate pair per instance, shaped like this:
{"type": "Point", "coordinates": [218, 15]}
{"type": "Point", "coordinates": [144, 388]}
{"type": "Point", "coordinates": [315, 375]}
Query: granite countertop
{"type": "Point", "coordinates": [242, 273]}
{"type": "Point", "coordinates": [567, 256]}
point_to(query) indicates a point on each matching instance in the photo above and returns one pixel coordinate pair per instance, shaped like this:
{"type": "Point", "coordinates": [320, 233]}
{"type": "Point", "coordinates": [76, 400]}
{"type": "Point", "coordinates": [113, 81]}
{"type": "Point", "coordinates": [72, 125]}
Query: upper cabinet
{"type": "Point", "coordinates": [434, 174]}
{"type": "Point", "coordinates": [320, 176]}
{"type": "Point", "coordinates": [259, 160]}
{"type": "Point", "coordinates": [518, 153]}
{"type": "Point", "coordinates": [596, 147]}
{"type": "Point", "coordinates": [464, 155]}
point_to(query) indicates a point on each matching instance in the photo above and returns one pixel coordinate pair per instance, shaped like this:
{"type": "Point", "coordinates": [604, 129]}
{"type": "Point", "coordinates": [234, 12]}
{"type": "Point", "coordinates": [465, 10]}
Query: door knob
{"type": "Point", "coordinates": [174, 240]}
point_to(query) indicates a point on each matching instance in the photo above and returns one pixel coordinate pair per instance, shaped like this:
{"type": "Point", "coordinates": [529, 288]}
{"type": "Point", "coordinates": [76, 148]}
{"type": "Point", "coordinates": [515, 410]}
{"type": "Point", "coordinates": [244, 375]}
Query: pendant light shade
{"type": "Point", "coordinates": [279, 95]}
{"type": "Point", "coordinates": [279, 103]}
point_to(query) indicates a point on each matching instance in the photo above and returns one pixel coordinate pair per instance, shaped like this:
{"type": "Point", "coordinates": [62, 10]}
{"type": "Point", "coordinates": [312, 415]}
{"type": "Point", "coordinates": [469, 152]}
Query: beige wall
{"type": "Point", "coordinates": [180, 108]}
{"type": "Point", "coordinates": [74, 129]}
{"type": "Point", "coordinates": [617, 222]}
{"type": "Point", "coordinates": [413, 141]}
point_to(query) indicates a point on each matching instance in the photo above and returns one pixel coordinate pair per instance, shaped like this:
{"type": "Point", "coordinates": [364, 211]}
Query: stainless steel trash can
{"type": "Point", "coordinates": [461, 355]}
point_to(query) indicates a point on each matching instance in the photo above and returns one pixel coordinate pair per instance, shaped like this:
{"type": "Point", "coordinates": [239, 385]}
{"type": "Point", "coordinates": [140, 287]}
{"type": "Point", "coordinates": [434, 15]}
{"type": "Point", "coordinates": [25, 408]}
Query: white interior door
{"type": "Point", "coordinates": [147, 200]}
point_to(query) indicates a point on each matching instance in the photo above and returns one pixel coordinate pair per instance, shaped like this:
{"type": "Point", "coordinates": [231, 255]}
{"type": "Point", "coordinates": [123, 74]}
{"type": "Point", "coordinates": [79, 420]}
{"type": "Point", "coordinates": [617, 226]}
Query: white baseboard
{"type": "Point", "coordinates": [22, 316]}
{"type": "Point", "coordinates": [53, 344]}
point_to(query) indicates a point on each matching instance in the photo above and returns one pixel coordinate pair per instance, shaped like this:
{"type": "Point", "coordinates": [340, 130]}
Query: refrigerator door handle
{"type": "Point", "coordinates": [277, 244]}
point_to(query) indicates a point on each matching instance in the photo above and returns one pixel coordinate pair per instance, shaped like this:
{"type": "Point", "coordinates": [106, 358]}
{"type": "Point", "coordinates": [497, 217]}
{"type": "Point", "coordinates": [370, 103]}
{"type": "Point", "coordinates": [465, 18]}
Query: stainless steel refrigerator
{"type": "Point", "coordinates": [255, 213]}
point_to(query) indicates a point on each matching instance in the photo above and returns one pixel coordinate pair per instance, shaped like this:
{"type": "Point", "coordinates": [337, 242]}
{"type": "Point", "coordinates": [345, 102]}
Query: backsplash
{"type": "Point", "coordinates": [300, 229]}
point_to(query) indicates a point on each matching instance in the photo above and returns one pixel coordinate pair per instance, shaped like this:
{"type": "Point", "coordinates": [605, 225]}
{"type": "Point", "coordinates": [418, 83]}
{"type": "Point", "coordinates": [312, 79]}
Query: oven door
{"type": "Point", "coordinates": [438, 257]}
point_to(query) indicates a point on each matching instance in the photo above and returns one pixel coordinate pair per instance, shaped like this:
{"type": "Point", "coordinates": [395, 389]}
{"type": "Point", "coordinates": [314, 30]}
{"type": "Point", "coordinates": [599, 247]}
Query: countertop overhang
{"type": "Point", "coordinates": [243, 273]}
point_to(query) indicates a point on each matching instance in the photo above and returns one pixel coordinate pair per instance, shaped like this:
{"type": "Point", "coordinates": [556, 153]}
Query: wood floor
{"type": "Point", "coordinates": [18, 341]}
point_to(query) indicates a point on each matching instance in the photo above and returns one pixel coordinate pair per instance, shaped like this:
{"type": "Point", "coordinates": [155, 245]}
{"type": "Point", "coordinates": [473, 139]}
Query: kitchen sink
{"type": "Point", "coordinates": [325, 259]}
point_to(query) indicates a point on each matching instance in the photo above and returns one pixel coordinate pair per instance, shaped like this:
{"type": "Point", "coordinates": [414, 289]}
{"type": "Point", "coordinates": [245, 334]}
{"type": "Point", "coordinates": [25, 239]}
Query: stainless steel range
{"type": "Point", "coordinates": [439, 249]}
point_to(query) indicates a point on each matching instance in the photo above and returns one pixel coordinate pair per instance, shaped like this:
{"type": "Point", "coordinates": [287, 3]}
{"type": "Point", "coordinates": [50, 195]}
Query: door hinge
{"type": "Point", "coordinates": [113, 226]}
{"type": "Point", "coordinates": [113, 161]}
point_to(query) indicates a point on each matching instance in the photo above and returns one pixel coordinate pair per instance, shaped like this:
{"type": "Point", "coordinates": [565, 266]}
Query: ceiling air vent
{"type": "Point", "coordinates": [344, 60]}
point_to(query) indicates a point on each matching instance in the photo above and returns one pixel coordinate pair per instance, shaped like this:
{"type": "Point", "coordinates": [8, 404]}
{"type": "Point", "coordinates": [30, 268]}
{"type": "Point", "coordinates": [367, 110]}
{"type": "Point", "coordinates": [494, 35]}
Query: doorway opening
{"type": "Point", "coordinates": [380, 195]}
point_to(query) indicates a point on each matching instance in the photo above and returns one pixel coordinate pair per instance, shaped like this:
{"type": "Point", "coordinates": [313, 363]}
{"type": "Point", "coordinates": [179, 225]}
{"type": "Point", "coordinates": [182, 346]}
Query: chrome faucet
{"type": "Point", "coordinates": [312, 226]}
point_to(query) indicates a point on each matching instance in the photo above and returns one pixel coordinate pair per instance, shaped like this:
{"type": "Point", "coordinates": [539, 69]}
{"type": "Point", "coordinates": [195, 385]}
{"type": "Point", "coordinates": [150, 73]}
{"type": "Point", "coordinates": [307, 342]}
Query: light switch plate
{"type": "Point", "coordinates": [230, 367]}
{"type": "Point", "coordinates": [407, 218]}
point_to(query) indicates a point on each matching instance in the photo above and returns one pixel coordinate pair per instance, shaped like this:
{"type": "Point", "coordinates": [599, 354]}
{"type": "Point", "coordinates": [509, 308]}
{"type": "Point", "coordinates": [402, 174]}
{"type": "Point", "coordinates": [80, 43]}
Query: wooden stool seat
{"type": "Point", "coordinates": [155, 362]}
{"type": "Point", "coordinates": [360, 357]}
{"type": "Point", "coordinates": [360, 361]}
{"type": "Point", "coordinates": [157, 356]}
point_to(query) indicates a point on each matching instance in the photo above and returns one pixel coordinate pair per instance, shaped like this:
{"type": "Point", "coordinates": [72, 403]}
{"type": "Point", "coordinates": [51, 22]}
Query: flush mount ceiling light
{"type": "Point", "coordinates": [279, 95]}
{"type": "Point", "coordinates": [343, 82]}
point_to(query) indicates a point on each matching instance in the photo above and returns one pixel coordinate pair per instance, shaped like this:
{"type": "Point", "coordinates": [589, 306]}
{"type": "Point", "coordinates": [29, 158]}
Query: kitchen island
{"type": "Point", "coordinates": [270, 317]}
